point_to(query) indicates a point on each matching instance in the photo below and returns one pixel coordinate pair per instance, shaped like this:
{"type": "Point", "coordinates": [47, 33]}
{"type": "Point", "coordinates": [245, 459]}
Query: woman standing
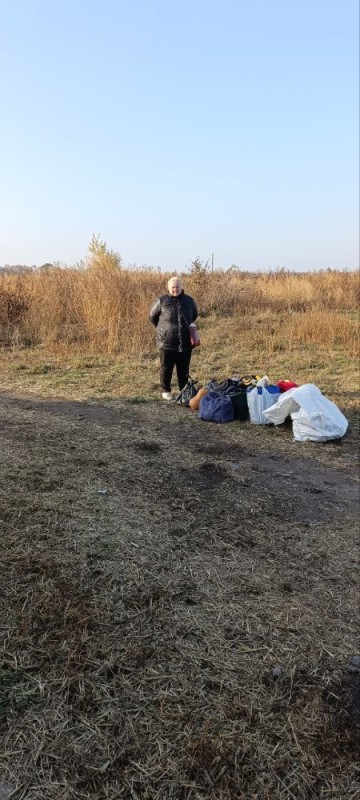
{"type": "Point", "coordinates": [172, 315]}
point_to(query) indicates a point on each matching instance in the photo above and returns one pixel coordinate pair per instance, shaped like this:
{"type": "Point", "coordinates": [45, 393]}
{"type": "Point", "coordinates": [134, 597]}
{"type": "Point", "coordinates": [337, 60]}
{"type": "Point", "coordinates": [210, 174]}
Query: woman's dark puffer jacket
{"type": "Point", "coordinates": [172, 317]}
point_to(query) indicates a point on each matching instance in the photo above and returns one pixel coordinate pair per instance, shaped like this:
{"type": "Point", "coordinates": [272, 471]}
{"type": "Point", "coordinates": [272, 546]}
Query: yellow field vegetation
{"type": "Point", "coordinates": [102, 307]}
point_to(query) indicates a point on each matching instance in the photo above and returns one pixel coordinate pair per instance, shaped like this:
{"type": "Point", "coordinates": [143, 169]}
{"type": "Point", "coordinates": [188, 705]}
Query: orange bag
{"type": "Point", "coordinates": [194, 403]}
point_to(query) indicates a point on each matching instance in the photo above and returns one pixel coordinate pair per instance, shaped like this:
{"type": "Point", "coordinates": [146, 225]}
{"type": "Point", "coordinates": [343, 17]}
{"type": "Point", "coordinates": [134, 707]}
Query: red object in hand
{"type": "Point", "coordinates": [194, 335]}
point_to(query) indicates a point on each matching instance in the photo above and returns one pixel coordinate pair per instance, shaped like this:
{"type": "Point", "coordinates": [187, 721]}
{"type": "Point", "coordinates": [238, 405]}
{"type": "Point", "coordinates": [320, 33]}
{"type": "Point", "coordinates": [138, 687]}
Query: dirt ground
{"type": "Point", "coordinates": [179, 606]}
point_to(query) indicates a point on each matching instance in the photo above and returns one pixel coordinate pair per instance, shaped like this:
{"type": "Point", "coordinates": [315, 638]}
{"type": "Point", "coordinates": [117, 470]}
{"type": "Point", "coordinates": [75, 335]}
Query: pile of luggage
{"type": "Point", "coordinates": [233, 399]}
{"type": "Point", "coordinates": [253, 398]}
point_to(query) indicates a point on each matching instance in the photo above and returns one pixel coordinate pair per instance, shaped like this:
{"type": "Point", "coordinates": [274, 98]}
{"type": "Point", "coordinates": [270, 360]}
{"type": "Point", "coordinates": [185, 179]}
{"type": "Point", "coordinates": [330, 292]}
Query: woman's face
{"type": "Point", "coordinates": [174, 287]}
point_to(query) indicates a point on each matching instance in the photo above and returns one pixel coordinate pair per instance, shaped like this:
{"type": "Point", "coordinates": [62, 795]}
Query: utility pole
{"type": "Point", "coordinates": [212, 262]}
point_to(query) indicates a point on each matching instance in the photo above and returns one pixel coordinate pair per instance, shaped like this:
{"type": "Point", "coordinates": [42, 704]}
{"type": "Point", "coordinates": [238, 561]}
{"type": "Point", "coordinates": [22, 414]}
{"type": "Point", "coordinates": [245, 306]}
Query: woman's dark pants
{"type": "Point", "coordinates": [170, 359]}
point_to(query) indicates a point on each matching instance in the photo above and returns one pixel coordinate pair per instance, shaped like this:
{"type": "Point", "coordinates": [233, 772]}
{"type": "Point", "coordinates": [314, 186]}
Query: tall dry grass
{"type": "Point", "coordinates": [104, 308]}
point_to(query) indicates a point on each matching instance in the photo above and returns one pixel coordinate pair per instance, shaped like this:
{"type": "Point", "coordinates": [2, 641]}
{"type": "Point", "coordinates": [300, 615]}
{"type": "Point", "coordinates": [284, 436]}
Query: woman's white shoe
{"type": "Point", "coordinates": [166, 396]}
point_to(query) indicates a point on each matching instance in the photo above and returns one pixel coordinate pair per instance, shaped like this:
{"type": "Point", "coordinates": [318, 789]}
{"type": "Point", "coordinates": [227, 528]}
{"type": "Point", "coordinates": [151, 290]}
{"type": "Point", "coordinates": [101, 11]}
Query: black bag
{"type": "Point", "coordinates": [221, 386]}
{"type": "Point", "coordinates": [238, 398]}
{"type": "Point", "coordinates": [189, 391]}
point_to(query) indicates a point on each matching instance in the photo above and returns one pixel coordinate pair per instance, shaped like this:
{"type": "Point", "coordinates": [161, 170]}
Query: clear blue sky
{"type": "Point", "coordinates": [178, 128]}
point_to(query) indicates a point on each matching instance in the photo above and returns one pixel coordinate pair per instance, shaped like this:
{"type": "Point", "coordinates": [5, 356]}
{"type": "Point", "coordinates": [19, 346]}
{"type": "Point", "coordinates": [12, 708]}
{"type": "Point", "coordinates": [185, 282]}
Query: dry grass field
{"type": "Point", "coordinates": [179, 601]}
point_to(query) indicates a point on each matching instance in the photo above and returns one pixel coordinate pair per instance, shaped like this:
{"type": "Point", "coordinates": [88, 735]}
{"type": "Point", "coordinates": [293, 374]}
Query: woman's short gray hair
{"type": "Point", "coordinates": [174, 278]}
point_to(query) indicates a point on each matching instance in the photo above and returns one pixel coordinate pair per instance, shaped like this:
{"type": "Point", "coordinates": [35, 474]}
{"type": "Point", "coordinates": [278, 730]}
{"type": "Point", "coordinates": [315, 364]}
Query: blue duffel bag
{"type": "Point", "coordinates": [216, 407]}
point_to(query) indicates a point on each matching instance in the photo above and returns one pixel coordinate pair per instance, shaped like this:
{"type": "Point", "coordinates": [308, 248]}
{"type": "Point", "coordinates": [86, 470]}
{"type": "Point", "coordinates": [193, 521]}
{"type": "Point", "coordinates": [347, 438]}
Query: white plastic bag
{"type": "Point", "coordinates": [315, 418]}
{"type": "Point", "coordinates": [285, 405]}
{"type": "Point", "coordinates": [259, 399]}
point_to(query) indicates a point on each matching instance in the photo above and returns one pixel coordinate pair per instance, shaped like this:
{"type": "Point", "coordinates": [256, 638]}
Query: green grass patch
{"type": "Point", "coordinates": [259, 345]}
{"type": "Point", "coordinates": [41, 369]}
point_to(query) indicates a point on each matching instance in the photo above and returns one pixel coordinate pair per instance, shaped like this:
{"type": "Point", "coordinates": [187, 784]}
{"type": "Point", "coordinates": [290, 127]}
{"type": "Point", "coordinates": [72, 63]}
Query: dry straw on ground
{"type": "Point", "coordinates": [178, 607]}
